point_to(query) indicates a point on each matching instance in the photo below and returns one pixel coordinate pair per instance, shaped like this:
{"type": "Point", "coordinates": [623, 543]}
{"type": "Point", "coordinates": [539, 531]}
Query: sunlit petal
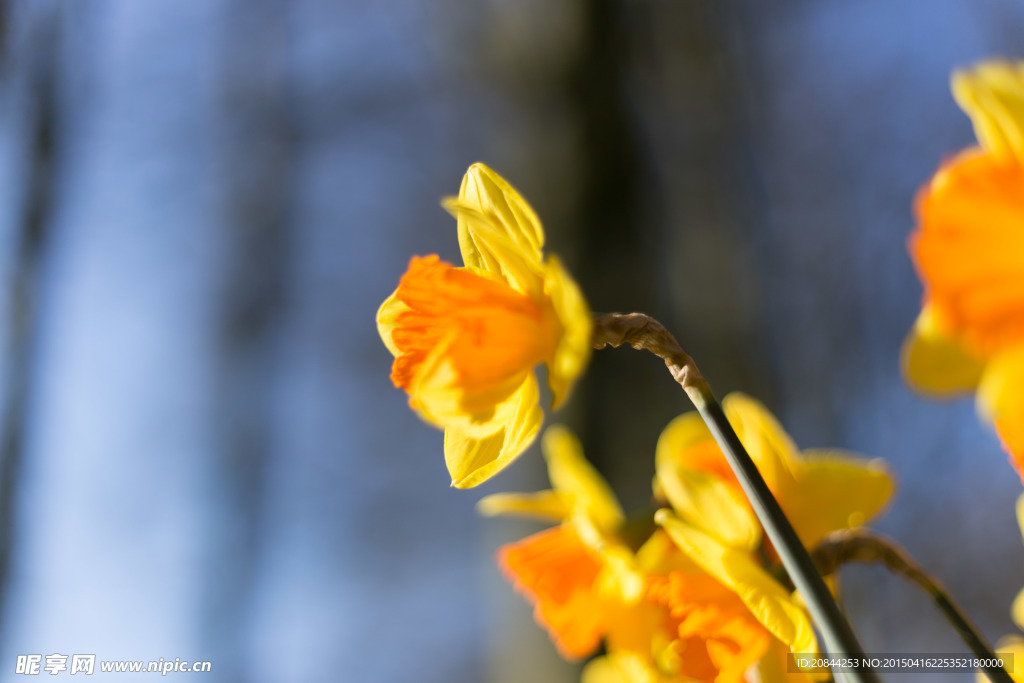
{"type": "Point", "coordinates": [472, 461]}
{"type": "Point", "coordinates": [710, 503]}
{"type": "Point", "coordinates": [835, 490]}
{"type": "Point", "coordinates": [1013, 646]}
{"type": "Point", "coordinates": [936, 363]}
{"type": "Point", "coordinates": [499, 256]}
{"type": "Point", "coordinates": [736, 570]}
{"type": "Point", "coordinates": [573, 314]}
{"type": "Point", "coordinates": [502, 206]}
{"type": "Point", "coordinates": [1001, 400]}
{"type": "Point", "coordinates": [546, 505]}
{"type": "Point", "coordinates": [575, 478]}
{"type": "Point", "coordinates": [992, 94]}
{"type": "Point", "coordinates": [621, 667]}
{"type": "Point", "coordinates": [1017, 611]}
{"type": "Point", "coordinates": [387, 320]}
{"type": "Point", "coordinates": [769, 446]}
{"type": "Point", "coordinates": [679, 439]}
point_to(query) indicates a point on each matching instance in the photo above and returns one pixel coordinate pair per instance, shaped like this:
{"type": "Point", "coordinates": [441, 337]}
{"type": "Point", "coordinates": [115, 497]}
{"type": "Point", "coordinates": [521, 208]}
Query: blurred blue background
{"type": "Point", "coordinates": [202, 204]}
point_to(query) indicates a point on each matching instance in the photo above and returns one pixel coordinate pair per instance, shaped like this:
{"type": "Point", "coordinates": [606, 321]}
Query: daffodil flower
{"type": "Point", "coordinates": [466, 339]}
{"type": "Point", "coordinates": [819, 490]}
{"type": "Point", "coordinates": [712, 524]}
{"type": "Point", "coordinates": [575, 572]}
{"type": "Point", "coordinates": [662, 615]}
{"type": "Point", "coordinates": [693, 624]}
{"type": "Point", "coordinates": [969, 252]}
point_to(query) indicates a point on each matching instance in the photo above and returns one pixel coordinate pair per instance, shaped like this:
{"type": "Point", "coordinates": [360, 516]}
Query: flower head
{"type": "Point", "coordinates": [969, 253]}
{"type": "Point", "coordinates": [820, 491]}
{"type": "Point", "coordinates": [689, 602]}
{"type": "Point", "coordinates": [712, 524]}
{"type": "Point", "coordinates": [466, 339]}
{"type": "Point", "coordinates": [575, 572]}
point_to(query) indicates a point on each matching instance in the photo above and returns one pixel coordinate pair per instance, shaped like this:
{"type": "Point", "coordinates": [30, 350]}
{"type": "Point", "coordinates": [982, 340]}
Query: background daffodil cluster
{"type": "Point", "coordinates": [683, 593]}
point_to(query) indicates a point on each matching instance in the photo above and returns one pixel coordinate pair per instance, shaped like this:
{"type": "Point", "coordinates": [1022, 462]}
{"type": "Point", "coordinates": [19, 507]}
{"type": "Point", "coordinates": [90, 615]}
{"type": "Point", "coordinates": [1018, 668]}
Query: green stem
{"type": "Point", "coordinates": [645, 333]}
{"type": "Point", "coordinates": [861, 545]}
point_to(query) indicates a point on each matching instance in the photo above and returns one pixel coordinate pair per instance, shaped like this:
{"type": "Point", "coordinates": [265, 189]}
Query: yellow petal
{"type": "Point", "coordinates": [620, 579]}
{"type": "Point", "coordinates": [1001, 400]}
{"type": "Point", "coordinates": [615, 669]}
{"type": "Point", "coordinates": [621, 667]}
{"type": "Point", "coordinates": [573, 349]}
{"type": "Point", "coordinates": [1008, 645]}
{"type": "Point", "coordinates": [935, 363]}
{"type": "Point", "coordinates": [711, 504]}
{"type": "Point", "coordinates": [992, 94]}
{"type": "Point", "coordinates": [680, 436]}
{"type": "Point", "coordinates": [574, 477]}
{"type": "Point", "coordinates": [387, 316]}
{"type": "Point", "coordinates": [1017, 610]}
{"type": "Point", "coordinates": [769, 446]}
{"type": "Point", "coordinates": [603, 670]}
{"type": "Point", "coordinates": [998, 391]}
{"type": "Point", "coordinates": [472, 461]}
{"type": "Point", "coordinates": [772, 667]}
{"type": "Point", "coordinates": [1020, 517]}
{"type": "Point", "coordinates": [736, 570]}
{"type": "Point", "coordinates": [545, 505]}
{"type": "Point", "coordinates": [638, 629]}
{"type": "Point", "coordinates": [659, 555]}
{"type": "Point", "coordinates": [1017, 614]}
{"type": "Point", "coordinates": [497, 254]}
{"type": "Point", "coordinates": [492, 197]}
{"type": "Point", "coordinates": [834, 490]}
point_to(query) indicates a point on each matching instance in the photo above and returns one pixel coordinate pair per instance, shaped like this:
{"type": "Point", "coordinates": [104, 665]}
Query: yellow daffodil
{"type": "Point", "coordinates": [819, 490]}
{"type": "Point", "coordinates": [717, 628]}
{"type": "Point", "coordinates": [574, 572]}
{"type": "Point", "coordinates": [661, 613]}
{"type": "Point", "coordinates": [466, 340]}
{"type": "Point", "coordinates": [713, 525]}
{"type": "Point", "coordinates": [694, 625]}
{"type": "Point", "coordinates": [969, 252]}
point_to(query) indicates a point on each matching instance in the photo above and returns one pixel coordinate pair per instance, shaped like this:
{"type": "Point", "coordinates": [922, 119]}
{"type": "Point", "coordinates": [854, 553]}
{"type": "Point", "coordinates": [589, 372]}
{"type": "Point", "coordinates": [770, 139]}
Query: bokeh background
{"type": "Point", "coordinates": [203, 202]}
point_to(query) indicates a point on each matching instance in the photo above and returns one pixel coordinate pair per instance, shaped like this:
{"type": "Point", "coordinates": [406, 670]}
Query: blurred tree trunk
{"type": "Point", "coordinates": [28, 80]}
{"type": "Point", "coordinates": [259, 145]}
{"type": "Point", "coordinates": [665, 218]}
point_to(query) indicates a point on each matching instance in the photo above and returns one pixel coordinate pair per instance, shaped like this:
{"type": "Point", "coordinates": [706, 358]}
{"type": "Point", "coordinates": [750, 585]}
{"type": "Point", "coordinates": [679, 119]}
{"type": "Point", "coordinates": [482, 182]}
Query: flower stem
{"type": "Point", "coordinates": [645, 333]}
{"type": "Point", "coordinates": [861, 545]}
